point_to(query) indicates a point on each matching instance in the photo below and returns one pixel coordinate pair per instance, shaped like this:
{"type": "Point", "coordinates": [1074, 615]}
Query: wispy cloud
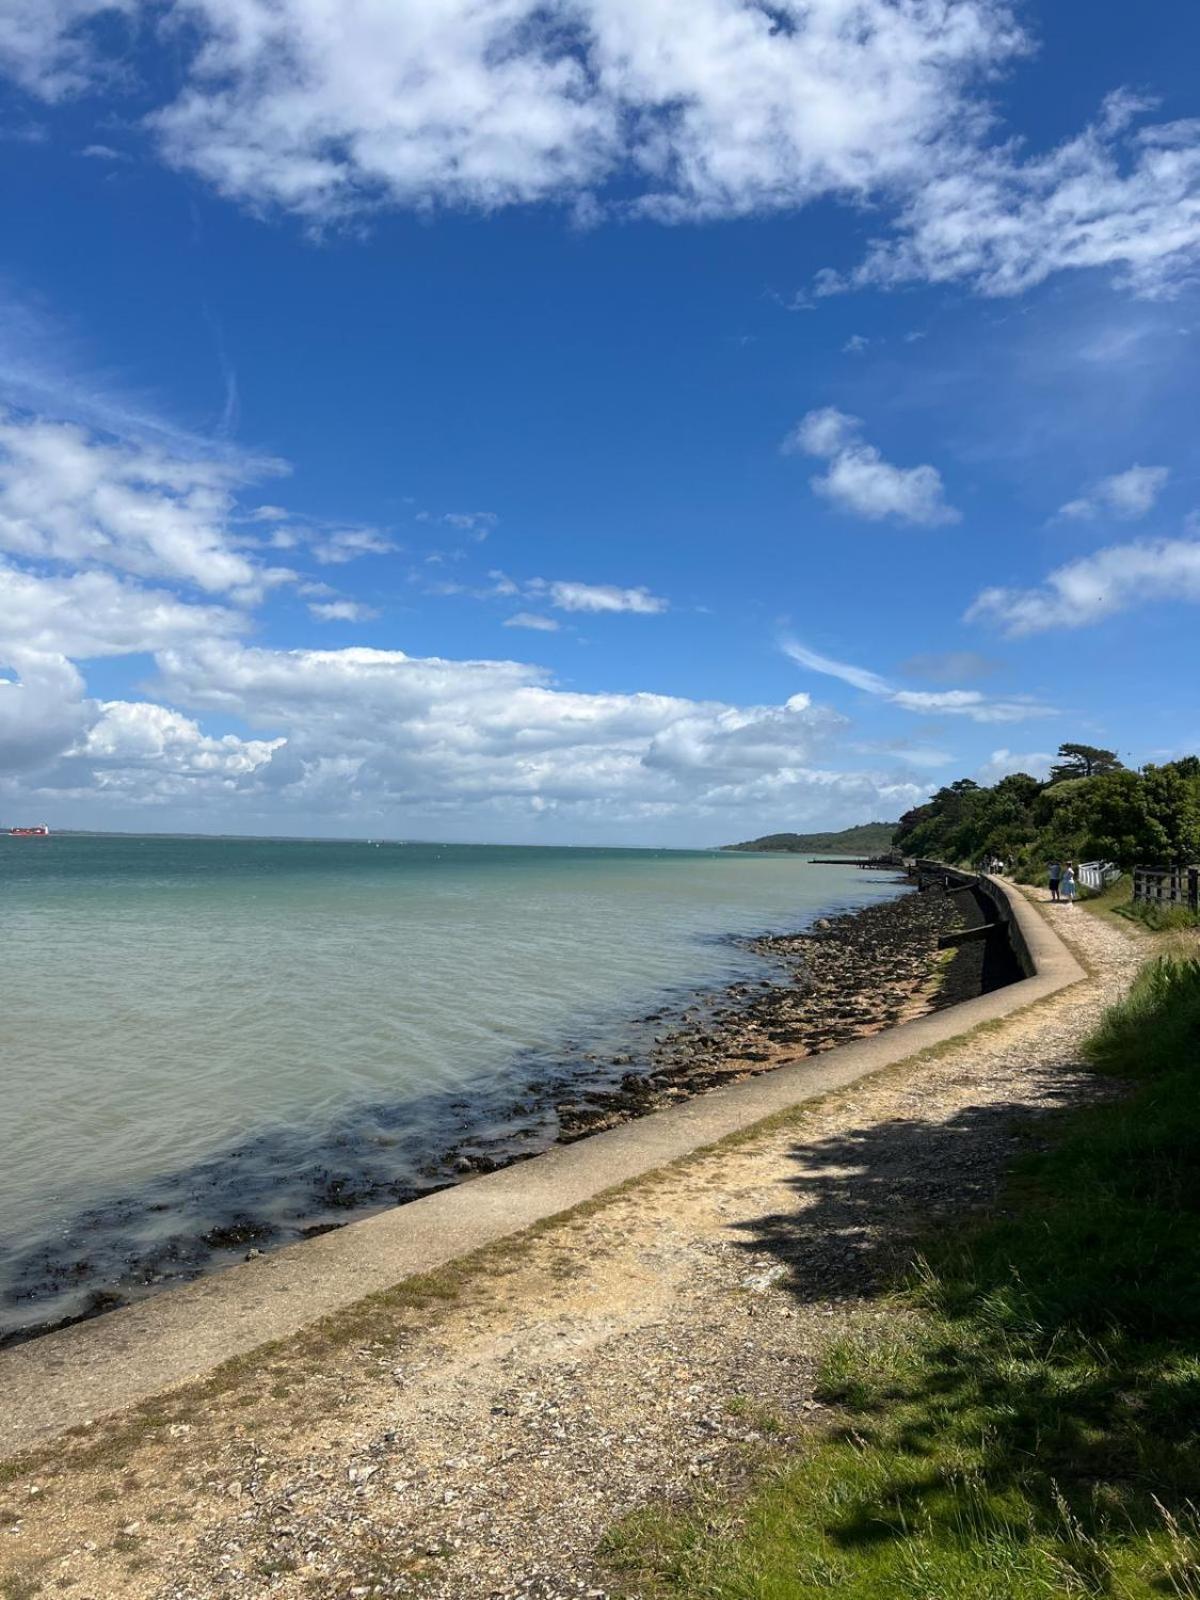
{"type": "Point", "coordinates": [342, 611]}
{"type": "Point", "coordinates": [596, 597]}
{"type": "Point", "coordinates": [479, 524]}
{"type": "Point", "coordinates": [857, 677]}
{"type": "Point", "coordinates": [531, 619]}
{"type": "Point", "coordinates": [969, 703]}
{"type": "Point", "coordinates": [336, 546]}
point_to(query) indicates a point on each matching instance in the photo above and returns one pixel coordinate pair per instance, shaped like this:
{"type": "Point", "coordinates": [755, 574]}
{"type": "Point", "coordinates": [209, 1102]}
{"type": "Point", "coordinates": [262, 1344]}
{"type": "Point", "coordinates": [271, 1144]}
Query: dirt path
{"type": "Point", "coordinates": [476, 1436]}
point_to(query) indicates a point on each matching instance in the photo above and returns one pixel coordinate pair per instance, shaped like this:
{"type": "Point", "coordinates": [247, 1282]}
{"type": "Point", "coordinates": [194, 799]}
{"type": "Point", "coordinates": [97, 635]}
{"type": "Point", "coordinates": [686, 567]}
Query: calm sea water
{"type": "Point", "coordinates": [196, 1028]}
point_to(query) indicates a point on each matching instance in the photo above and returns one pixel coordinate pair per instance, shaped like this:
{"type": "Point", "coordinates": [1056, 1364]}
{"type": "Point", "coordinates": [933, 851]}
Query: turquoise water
{"type": "Point", "coordinates": [198, 1028]}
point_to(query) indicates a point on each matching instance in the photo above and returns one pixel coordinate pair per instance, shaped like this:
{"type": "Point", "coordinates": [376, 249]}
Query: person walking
{"type": "Point", "coordinates": [1066, 886]}
{"type": "Point", "coordinates": [1054, 872]}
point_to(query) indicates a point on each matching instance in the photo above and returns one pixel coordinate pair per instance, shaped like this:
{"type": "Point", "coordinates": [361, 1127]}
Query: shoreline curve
{"type": "Point", "coordinates": [93, 1369]}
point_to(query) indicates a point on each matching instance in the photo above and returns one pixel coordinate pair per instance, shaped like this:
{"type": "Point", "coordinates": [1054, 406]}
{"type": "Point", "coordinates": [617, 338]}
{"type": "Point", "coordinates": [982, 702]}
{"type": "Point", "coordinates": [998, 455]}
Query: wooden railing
{"type": "Point", "coordinates": [1168, 886]}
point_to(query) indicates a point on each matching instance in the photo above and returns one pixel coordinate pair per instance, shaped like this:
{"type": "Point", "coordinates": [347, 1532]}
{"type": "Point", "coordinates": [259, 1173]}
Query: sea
{"type": "Point", "coordinates": [211, 1044]}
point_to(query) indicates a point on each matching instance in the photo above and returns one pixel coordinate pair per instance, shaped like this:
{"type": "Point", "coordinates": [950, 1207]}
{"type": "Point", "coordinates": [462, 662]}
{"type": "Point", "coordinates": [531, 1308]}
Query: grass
{"type": "Point", "coordinates": [1031, 1426]}
{"type": "Point", "coordinates": [1117, 902]}
{"type": "Point", "coordinates": [1159, 919]}
{"type": "Point", "coordinates": [1110, 903]}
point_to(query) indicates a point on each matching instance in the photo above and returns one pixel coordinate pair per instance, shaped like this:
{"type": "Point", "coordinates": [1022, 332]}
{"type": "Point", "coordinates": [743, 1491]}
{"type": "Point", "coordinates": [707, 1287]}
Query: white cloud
{"type": "Point", "coordinates": [342, 611]}
{"type": "Point", "coordinates": [1128, 495]}
{"type": "Point", "coordinates": [968, 703]}
{"type": "Point", "coordinates": [596, 597]}
{"type": "Point", "coordinates": [855, 345]}
{"type": "Point", "coordinates": [370, 734]}
{"type": "Point", "coordinates": [386, 728]}
{"type": "Point", "coordinates": [43, 709]}
{"type": "Point", "coordinates": [1096, 586]}
{"type": "Point", "coordinates": [479, 524]}
{"type": "Point", "coordinates": [1110, 198]}
{"type": "Point", "coordinates": [710, 107]}
{"type": "Point", "coordinates": [131, 736]}
{"type": "Point", "coordinates": [857, 677]}
{"type": "Point", "coordinates": [678, 109]}
{"type": "Point", "coordinates": [858, 478]}
{"type": "Point", "coordinates": [68, 495]}
{"type": "Point", "coordinates": [46, 45]}
{"type": "Point", "coordinates": [530, 619]}
{"type": "Point", "coordinates": [90, 614]}
{"type": "Point", "coordinates": [826, 432]}
{"type": "Point", "coordinates": [1003, 763]}
{"type": "Point", "coordinates": [336, 546]}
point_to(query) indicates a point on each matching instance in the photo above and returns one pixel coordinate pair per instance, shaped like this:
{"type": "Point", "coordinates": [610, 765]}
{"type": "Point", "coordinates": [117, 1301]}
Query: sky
{"type": "Point", "coordinates": [648, 422]}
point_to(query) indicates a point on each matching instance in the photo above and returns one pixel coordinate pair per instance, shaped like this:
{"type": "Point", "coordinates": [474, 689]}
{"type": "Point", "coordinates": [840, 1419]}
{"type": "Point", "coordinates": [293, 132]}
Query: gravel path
{"type": "Point", "coordinates": [476, 1437]}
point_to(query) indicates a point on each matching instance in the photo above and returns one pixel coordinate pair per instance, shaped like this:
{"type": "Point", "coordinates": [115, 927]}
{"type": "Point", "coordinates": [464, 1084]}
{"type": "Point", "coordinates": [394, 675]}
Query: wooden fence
{"type": "Point", "coordinates": [1168, 886]}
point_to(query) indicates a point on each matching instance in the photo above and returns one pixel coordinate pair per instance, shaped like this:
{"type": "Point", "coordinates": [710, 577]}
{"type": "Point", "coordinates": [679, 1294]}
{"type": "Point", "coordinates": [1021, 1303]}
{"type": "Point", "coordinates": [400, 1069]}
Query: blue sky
{"type": "Point", "coordinates": [607, 423]}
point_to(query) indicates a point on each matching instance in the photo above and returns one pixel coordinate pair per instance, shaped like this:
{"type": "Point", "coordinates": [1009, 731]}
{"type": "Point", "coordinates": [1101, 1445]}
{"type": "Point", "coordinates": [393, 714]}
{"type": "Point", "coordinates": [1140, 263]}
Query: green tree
{"type": "Point", "coordinates": [1083, 761]}
{"type": "Point", "coordinates": [1107, 818]}
{"type": "Point", "coordinates": [1173, 803]}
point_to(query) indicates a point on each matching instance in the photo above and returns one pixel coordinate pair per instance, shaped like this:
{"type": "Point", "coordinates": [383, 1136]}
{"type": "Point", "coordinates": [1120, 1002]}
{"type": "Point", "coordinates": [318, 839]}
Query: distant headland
{"type": "Point", "coordinates": [868, 838]}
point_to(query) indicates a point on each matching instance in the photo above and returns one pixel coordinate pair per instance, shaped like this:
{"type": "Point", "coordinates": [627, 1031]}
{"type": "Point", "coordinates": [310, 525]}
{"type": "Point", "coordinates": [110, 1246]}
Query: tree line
{"type": "Point", "coordinates": [1090, 808]}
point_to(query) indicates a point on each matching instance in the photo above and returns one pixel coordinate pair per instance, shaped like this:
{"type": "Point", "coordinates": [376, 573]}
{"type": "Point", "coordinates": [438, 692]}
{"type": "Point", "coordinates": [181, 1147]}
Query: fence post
{"type": "Point", "coordinates": [1194, 890]}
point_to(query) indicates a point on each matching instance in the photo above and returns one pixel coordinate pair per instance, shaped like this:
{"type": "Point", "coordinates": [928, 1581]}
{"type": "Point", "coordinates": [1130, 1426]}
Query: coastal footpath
{"type": "Point", "coordinates": [479, 1430]}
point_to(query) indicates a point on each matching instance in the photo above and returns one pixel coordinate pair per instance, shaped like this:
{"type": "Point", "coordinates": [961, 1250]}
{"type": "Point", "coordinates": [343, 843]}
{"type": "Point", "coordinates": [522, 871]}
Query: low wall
{"type": "Point", "coordinates": [97, 1368]}
{"type": "Point", "coordinates": [1000, 902]}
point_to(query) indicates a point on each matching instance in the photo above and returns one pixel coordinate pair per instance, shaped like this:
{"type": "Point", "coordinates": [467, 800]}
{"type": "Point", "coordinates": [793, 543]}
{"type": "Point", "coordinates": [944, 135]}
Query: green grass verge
{"type": "Point", "coordinates": [1031, 1427]}
{"type": "Point", "coordinates": [1159, 919]}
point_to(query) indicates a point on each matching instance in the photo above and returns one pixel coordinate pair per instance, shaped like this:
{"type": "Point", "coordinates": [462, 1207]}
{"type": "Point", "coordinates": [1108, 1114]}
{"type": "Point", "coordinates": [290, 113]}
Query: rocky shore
{"type": "Point", "coordinates": [847, 976]}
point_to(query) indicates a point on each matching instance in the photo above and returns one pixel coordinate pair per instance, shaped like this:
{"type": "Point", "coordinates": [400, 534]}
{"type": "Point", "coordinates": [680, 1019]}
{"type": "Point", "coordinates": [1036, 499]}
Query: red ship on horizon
{"type": "Point", "coordinates": [41, 831]}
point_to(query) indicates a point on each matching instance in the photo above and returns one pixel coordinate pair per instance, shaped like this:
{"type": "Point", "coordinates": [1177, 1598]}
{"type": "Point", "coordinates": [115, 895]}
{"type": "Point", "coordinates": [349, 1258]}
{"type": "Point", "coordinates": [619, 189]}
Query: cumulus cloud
{"type": "Point", "coordinates": [1096, 586]}
{"type": "Point", "coordinates": [91, 614]}
{"type": "Point", "coordinates": [150, 754]}
{"type": "Point", "coordinates": [968, 703]}
{"type": "Point", "coordinates": [677, 109]}
{"type": "Point", "coordinates": [69, 495]}
{"type": "Point", "coordinates": [710, 107]}
{"type": "Point", "coordinates": [1127, 495]}
{"type": "Point", "coordinates": [455, 735]}
{"type": "Point", "coordinates": [44, 708]}
{"type": "Point", "coordinates": [859, 480]}
{"type": "Point", "coordinates": [1003, 763]}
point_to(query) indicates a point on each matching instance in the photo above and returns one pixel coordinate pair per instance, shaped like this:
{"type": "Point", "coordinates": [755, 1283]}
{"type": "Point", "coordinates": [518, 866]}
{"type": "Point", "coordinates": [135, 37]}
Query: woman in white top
{"type": "Point", "coordinates": [1066, 888]}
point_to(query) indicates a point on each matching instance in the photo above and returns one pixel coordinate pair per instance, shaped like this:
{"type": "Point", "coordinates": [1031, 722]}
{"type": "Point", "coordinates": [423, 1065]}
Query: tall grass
{"type": "Point", "coordinates": [1034, 1428]}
